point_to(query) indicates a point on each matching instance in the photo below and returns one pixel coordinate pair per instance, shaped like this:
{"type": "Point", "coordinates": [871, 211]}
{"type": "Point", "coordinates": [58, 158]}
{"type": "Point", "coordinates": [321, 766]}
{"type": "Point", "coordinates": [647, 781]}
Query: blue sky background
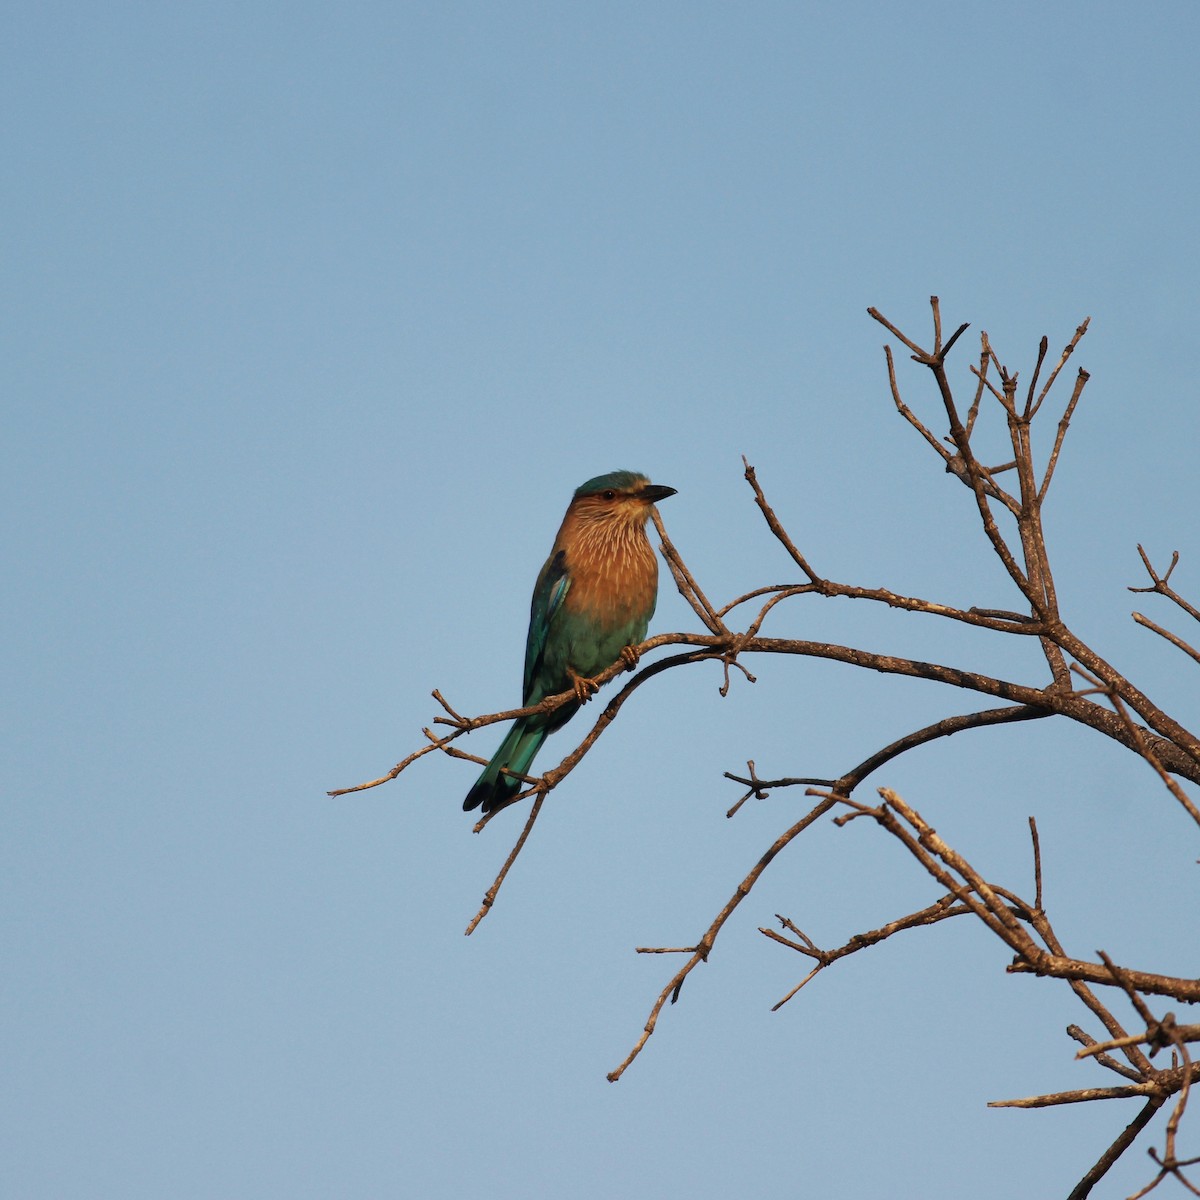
{"type": "Point", "coordinates": [313, 318]}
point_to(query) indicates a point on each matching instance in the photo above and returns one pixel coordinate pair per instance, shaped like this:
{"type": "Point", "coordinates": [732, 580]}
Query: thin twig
{"type": "Point", "coordinates": [1043, 346]}
{"type": "Point", "coordinates": [1037, 866]}
{"type": "Point", "coordinates": [1147, 752]}
{"type": "Point", "coordinates": [1153, 1035]}
{"type": "Point", "coordinates": [490, 896]}
{"type": "Point", "coordinates": [1068, 350]}
{"type": "Point", "coordinates": [759, 788]}
{"type": "Point", "coordinates": [685, 580]}
{"type": "Point", "coordinates": [704, 946]}
{"type": "Point", "coordinates": [1161, 584]}
{"type": "Point", "coordinates": [775, 526]}
{"type": "Point", "coordinates": [1104, 1059]}
{"type": "Point", "coordinates": [1175, 641]}
{"type": "Point", "coordinates": [941, 910]}
{"type": "Point", "coordinates": [1124, 1140]}
{"type": "Point", "coordinates": [907, 413]}
{"type": "Point", "coordinates": [1080, 383]}
{"type": "Point", "coordinates": [1079, 1096]}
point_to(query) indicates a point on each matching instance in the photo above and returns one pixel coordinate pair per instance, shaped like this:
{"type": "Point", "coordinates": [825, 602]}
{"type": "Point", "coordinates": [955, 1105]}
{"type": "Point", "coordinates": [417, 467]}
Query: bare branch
{"type": "Point", "coordinates": [1043, 346]}
{"type": "Point", "coordinates": [930, 915]}
{"type": "Point", "coordinates": [1037, 866]}
{"type": "Point", "coordinates": [689, 589]}
{"type": "Point", "coordinates": [1111, 704]}
{"type": "Point", "coordinates": [1122, 1143]}
{"type": "Point", "coordinates": [1068, 350]}
{"type": "Point", "coordinates": [1080, 383]}
{"type": "Point", "coordinates": [1157, 1034]}
{"type": "Point", "coordinates": [917, 353]}
{"type": "Point", "coordinates": [710, 936]}
{"type": "Point", "coordinates": [775, 526]}
{"type": "Point", "coordinates": [1093, 973]}
{"type": "Point", "coordinates": [1178, 642]}
{"type": "Point", "coordinates": [1103, 1058]}
{"type": "Point", "coordinates": [782, 590]}
{"type": "Point", "coordinates": [1079, 1096]}
{"type": "Point", "coordinates": [946, 727]}
{"type": "Point", "coordinates": [1143, 747]}
{"type": "Point", "coordinates": [908, 414]}
{"type": "Point", "coordinates": [1161, 584]}
{"type": "Point", "coordinates": [759, 788]}
{"type": "Point", "coordinates": [490, 896]}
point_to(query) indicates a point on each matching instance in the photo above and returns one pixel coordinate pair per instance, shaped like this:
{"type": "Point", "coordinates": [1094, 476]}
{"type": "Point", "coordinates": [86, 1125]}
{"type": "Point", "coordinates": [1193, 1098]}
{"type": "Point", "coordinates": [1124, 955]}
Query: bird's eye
{"type": "Point", "coordinates": [610, 495]}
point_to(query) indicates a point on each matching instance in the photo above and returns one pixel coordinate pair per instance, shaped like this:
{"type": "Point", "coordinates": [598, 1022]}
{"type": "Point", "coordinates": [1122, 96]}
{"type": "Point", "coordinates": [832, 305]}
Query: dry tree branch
{"type": "Point", "coordinates": [1122, 1143]}
{"type": "Point", "coordinates": [1063, 967]}
{"type": "Point", "coordinates": [908, 414]}
{"type": "Point", "coordinates": [979, 480]}
{"type": "Point", "coordinates": [1068, 350]}
{"type": "Point", "coordinates": [1139, 1065]}
{"type": "Point", "coordinates": [839, 793]}
{"type": "Point", "coordinates": [761, 788]}
{"type": "Point", "coordinates": [1003, 914]}
{"type": "Point", "coordinates": [994, 619]}
{"type": "Point", "coordinates": [1101, 1056]}
{"type": "Point", "coordinates": [1037, 866]}
{"type": "Point", "coordinates": [1143, 747]}
{"type": "Point", "coordinates": [1157, 1035]}
{"type": "Point", "coordinates": [955, 874]}
{"type": "Point", "coordinates": [1120, 711]}
{"type": "Point", "coordinates": [685, 581]}
{"type": "Point", "coordinates": [402, 765]}
{"type": "Point", "coordinates": [553, 777]}
{"type": "Point", "coordinates": [1182, 740]}
{"type": "Point", "coordinates": [1161, 584]}
{"type": "Point", "coordinates": [1170, 1163]}
{"type": "Point", "coordinates": [710, 646]}
{"type": "Point", "coordinates": [1030, 408]}
{"type": "Point", "coordinates": [1080, 382]}
{"type": "Point", "coordinates": [490, 896]}
{"type": "Point", "coordinates": [1085, 1095]}
{"type": "Point", "coordinates": [773, 523]}
{"type": "Point", "coordinates": [783, 590]}
{"type": "Point", "coordinates": [1121, 976]}
{"type": "Point", "coordinates": [946, 907]}
{"type": "Point", "coordinates": [704, 946]}
{"type": "Point", "coordinates": [1175, 641]}
{"type": "Point", "coordinates": [1028, 703]}
{"type": "Point", "coordinates": [979, 897]}
{"type": "Point", "coordinates": [980, 373]}
{"type": "Point", "coordinates": [944, 728]}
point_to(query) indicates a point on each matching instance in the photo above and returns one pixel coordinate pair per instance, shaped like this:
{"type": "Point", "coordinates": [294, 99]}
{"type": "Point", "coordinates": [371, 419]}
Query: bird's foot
{"type": "Point", "coordinates": [630, 656]}
{"type": "Point", "coordinates": [585, 688]}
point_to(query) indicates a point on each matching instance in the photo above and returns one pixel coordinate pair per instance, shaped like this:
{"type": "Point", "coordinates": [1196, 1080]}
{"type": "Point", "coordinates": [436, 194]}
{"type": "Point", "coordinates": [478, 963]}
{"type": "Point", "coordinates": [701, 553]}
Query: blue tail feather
{"type": "Point", "coordinates": [492, 789]}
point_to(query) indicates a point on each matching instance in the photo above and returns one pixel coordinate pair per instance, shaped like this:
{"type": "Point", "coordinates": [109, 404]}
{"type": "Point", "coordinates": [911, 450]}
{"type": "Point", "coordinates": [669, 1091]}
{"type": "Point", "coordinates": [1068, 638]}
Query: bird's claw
{"type": "Point", "coordinates": [585, 688]}
{"type": "Point", "coordinates": [630, 656]}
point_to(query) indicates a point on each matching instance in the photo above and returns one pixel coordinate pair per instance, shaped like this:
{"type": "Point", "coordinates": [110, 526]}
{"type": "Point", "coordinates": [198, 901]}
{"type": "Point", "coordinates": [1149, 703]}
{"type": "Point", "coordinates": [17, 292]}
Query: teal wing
{"type": "Point", "coordinates": [551, 589]}
{"type": "Point", "coordinates": [493, 790]}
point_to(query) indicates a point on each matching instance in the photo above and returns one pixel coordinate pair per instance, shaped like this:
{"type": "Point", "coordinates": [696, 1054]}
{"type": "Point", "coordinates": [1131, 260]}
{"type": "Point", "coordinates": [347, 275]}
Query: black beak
{"type": "Point", "coordinates": [652, 493]}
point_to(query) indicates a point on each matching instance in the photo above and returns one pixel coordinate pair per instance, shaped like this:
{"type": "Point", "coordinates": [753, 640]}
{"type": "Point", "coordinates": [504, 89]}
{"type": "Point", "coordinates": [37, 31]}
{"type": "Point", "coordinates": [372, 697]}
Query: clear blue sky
{"type": "Point", "coordinates": [314, 316]}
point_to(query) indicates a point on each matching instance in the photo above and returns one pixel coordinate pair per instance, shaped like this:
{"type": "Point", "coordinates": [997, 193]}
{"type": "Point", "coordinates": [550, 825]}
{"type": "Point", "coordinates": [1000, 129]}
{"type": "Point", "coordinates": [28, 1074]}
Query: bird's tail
{"type": "Point", "coordinates": [492, 789]}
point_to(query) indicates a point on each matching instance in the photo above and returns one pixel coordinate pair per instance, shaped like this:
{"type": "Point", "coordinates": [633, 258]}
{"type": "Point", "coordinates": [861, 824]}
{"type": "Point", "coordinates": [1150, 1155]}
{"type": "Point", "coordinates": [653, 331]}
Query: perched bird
{"type": "Point", "coordinates": [591, 605]}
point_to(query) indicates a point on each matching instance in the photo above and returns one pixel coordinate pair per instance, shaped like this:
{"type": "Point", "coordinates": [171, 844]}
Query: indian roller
{"type": "Point", "coordinates": [592, 603]}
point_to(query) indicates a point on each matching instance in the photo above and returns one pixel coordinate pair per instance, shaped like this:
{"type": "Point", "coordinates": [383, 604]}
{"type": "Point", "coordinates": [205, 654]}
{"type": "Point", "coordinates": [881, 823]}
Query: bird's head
{"type": "Point", "coordinates": [619, 496]}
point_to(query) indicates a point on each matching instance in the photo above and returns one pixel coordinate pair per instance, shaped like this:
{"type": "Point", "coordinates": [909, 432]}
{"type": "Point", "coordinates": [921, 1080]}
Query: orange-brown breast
{"type": "Point", "coordinates": [614, 572]}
